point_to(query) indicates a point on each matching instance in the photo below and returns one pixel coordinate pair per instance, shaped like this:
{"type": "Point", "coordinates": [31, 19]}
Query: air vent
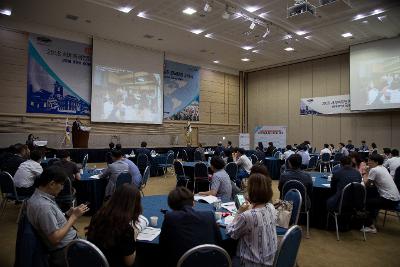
{"type": "Point", "coordinates": [71, 17]}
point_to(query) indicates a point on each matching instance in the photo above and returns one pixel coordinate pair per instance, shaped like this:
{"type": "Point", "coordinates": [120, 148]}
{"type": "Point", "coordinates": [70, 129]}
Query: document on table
{"type": "Point", "coordinates": [149, 234]}
{"type": "Point", "coordinates": [229, 206]}
{"type": "Point", "coordinates": [326, 185]}
{"type": "Point", "coordinates": [208, 199]}
{"type": "Point", "coordinates": [226, 221]}
{"type": "Point", "coordinates": [96, 176]}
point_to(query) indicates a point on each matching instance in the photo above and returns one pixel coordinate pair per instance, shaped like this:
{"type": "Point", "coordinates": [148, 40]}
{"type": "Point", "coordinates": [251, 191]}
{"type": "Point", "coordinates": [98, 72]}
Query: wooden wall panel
{"type": "Point", "coordinates": [219, 114]}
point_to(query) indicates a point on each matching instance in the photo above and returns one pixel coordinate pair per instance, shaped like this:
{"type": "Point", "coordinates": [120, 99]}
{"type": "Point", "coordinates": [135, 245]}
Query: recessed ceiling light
{"type": "Point", "coordinates": [382, 18]}
{"type": "Point", "coordinates": [207, 7]}
{"type": "Point", "coordinates": [289, 49]}
{"type": "Point", "coordinates": [197, 31]}
{"type": "Point", "coordinates": [359, 16]}
{"type": "Point", "coordinates": [255, 51]}
{"type": "Point", "coordinates": [247, 47]}
{"type": "Point", "coordinates": [365, 21]}
{"type": "Point", "coordinates": [189, 11]}
{"type": "Point", "coordinates": [287, 36]}
{"type": "Point", "coordinates": [301, 33]}
{"type": "Point", "coordinates": [216, 61]}
{"type": "Point", "coordinates": [377, 11]}
{"type": "Point", "coordinates": [252, 25]}
{"type": "Point", "coordinates": [5, 11]}
{"type": "Point", "coordinates": [245, 59]}
{"type": "Point", "coordinates": [142, 14]}
{"type": "Point", "coordinates": [252, 8]}
{"type": "Point", "coordinates": [308, 37]}
{"type": "Point", "coordinates": [347, 34]}
{"type": "Point", "coordinates": [208, 35]}
{"type": "Point", "coordinates": [125, 9]}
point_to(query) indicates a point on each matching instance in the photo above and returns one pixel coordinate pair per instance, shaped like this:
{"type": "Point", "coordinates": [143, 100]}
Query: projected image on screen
{"type": "Point", "coordinates": [375, 76]}
{"type": "Point", "coordinates": [127, 96]}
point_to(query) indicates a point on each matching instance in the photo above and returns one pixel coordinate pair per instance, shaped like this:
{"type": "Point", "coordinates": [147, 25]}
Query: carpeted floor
{"type": "Point", "coordinates": [321, 249]}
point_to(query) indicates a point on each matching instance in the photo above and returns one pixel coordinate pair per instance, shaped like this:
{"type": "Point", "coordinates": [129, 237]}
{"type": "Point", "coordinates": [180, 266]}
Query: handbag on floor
{"type": "Point", "coordinates": [284, 212]}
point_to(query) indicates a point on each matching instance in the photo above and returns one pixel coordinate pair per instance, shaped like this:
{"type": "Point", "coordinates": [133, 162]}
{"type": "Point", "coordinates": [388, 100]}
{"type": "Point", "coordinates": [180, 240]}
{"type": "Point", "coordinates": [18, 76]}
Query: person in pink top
{"type": "Point", "coordinates": [357, 163]}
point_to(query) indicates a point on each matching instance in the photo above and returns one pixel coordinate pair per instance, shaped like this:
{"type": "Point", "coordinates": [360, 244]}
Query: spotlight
{"type": "Point", "coordinates": [252, 25]}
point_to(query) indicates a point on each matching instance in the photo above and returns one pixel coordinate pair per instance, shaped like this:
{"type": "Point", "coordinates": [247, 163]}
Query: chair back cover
{"type": "Point", "coordinates": [294, 196]}
{"type": "Point", "coordinates": [254, 159]}
{"type": "Point", "coordinates": [336, 168]}
{"type": "Point", "coordinates": [178, 168]}
{"type": "Point", "coordinates": [312, 164]}
{"type": "Point", "coordinates": [146, 176]}
{"type": "Point", "coordinates": [123, 178]}
{"type": "Point", "coordinates": [337, 157]}
{"type": "Point", "coordinates": [294, 184]}
{"type": "Point", "coordinates": [83, 253]}
{"type": "Point", "coordinates": [286, 253]}
{"type": "Point", "coordinates": [397, 178]}
{"type": "Point", "coordinates": [352, 198]}
{"type": "Point", "coordinates": [231, 168]}
{"type": "Point", "coordinates": [326, 157]}
{"type": "Point", "coordinates": [205, 255]}
{"type": "Point", "coordinates": [84, 161]}
{"type": "Point", "coordinates": [7, 184]}
{"type": "Point", "coordinates": [200, 170]}
{"type": "Point", "coordinates": [197, 156]}
{"type": "Point", "coordinates": [170, 158]}
{"type": "Point", "coordinates": [142, 162]}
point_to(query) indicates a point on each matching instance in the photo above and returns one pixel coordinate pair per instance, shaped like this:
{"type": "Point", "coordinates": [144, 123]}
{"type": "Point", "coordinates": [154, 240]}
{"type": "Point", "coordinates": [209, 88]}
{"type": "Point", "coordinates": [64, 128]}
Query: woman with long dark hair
{"type": "Point", "coordinates": [358, 163]}
{"type": "Point", "coordinates": [111, 227]}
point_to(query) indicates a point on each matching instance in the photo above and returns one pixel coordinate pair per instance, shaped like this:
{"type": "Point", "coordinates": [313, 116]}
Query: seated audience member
{"type": "Point", "coordinates": [343, 149]}
{"type": "Point", "coordinates": [260, 153]}
{"type": "Point", "coordinates": [254, 225]}
{"type": "Point", "coordinates": [387, 154]}
{"type": "Point", "coordinates": [27, 171]}
{"type": "Point", "coordinates": [144, 150]}
{"type": "Point", "coordinates": [201, 150]}
{"type": "Point", "coordinates": [332, 148]}
{"type": "Point", "coordinates": [289, 151]}
{"type": "Point", "coordinates": [220, 182]}
{"type": "Point", "coordinates": [270, 150]}
{"type": "Point", "coordinates": [260, 146]}
{"type": "Point", "coordinates": [108, 153]}
{"type": "Point", "coordinates": [70, 167]}
{"type": "Point", "coordinates": [229, 146]}
{"type": "Point", "coordinates": [118, 146]}
{"type": "Point", "coordinates": [43, 213]}
{"type": "Point", "coordinates": [184, 228]}
{"type": "Point", "coordinates": [243, 162]}
{"type": "Point", "coordinates": [260, 168]}
{"type": "Point", "coordinates": [305, 156]}
{"type": "Point", "coordinates": [326, 150]}
{"type": "Point", "coordinates": [111, 229]}
{"type": "Point", "coordinates": [295, 173]}
{"type": "Point", "coordinates": [388, 194]}
{"type": "Point", "coordinates": [29, 141]}
{"type": "Point", "coordinates": [347, 174]}
{"type": "Point", "coordinates": [219, 149]}
{"type": "Point", "coordinates": [134, 172]}
{"type": "Point", "coordinates": [349, 145]}
{"type": "Point", "coordinates": [374, 149]}
{"type": "Point", "coordinates": [228, 156]}
{"type": "Point", "coordinates": [364, 146]}
{"type": "Point", "coordinates": [393, 163]}
{"type": "Point", "coordinates": [113, 170]}
{"type": "Point", "coordinates": [357, 163]}
{"type": "Point", "coordinates": [11, 163]}
{"type": "Point", "coordinates": [295, 147]}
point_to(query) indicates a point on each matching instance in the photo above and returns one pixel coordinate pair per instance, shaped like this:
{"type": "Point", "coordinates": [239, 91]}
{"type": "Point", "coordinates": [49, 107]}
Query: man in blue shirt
{"type": "Point", "coordinates": [134, 172]}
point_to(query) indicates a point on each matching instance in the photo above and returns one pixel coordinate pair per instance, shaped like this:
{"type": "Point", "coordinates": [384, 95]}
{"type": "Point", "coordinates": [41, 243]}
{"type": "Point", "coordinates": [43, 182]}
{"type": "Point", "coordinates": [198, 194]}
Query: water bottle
{"type": "Point", "coordinates": [54, 156]}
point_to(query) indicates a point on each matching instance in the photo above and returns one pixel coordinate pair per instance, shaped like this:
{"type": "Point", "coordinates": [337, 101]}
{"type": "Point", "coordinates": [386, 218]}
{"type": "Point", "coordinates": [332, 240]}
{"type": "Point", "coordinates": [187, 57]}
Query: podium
{"type": "Point", "coordinates": [80, 136]}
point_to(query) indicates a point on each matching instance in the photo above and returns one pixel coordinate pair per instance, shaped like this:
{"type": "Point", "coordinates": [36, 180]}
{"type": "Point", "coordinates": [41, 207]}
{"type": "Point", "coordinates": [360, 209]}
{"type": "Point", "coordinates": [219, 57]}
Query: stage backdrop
{"type": "Point", "coordinates": [181, 91]}
{"type": "Point", "coordinates": [275, 134]}
{"type": "Point", "coordinates": [325, 105]}
{"type": "Point", "coordinates": [59, 75]}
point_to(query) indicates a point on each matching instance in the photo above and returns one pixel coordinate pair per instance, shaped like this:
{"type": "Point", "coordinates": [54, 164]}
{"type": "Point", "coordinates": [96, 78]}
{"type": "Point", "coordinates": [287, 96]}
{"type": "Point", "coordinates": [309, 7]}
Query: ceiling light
{"type": "Point", "coordinates": [142, 14]}
{"type": "Point", "coordinates": [245, 59]}
{"type": "Point", "coordinates": [6, 12]}
{"type": "Point", "coordinates": [252, 25]}
{"type": "Point", "coordinates": [189, 11]}
{"type": "Point", "coordinates": [247, 47]}
{"type": "Point", "coordinates": [347, 34]}
{"type": "Point", "coordinates": [197, 31]}
{"type": "Point", "coordinates": [382, 18]}
{"type": "Point", "coordinates": [377, 11]}
{"type": "Point", "coordinates": [207, 7]}
{"type": "Point", "coordinates": [289, 49]}
{"type": "Point", "coordinates": [359, 16]}
{"type": "Point", "coordinates": [366, 21]}
{"type": "Point", "coordinates": [308, 37]}
{"type": "Point", "coordinates": [216, 61]}
{"type": "Point", "coordinates": [301, 33]}
{"type": "Point", "coordinates": [252, 8]}
{"type": "Point", "coordinates": [255, 51]}
{"type": "Point", "coordinates": [287, 36]}
{"type": "Point", "coordinates": [125, 9]}
{"type": "Point", "coordinates": [208, 35]}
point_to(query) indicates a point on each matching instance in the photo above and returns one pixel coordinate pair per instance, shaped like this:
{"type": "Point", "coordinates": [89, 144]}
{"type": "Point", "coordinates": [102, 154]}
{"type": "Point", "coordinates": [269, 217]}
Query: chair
{"type": "Point", "coordinates": [197, 156]}
{"type": "Point", "coordinates": [294, 196]}
{"type": "Point", "coordinates": [9, 193]}
{"type": "Point", "coordinates": [84, 161]}
{"type": "Point", "coordinates": [200, 175]}
{"type": "Point", "coordinates": [66, 198]}
{"type": "Point", "coordinates": [325, 161]}
{"type": "Point", "coordinates": [232, 168]}
{"type": "Point", "coordinates": [169, 163]}
{"type": "Point", "coordinates": [83, 253]}
{"type": "Point", "coordinates": [123, 178]}
{"type": "Point", "coordinates": [145, 178]}
{"type": "Point", "coordinates": [142, 162]}
{"type": "Point", "coordinates": [286, 253]}
{"type": "Point", "coordinates": [185, 156]}
{"type": "Point", "coordinates": [254, 158]}
{"type": "Point", "coordinates": [180, 173]}
{"type": "Point", "coordinates": [205, 255]}
{"type": "Point", "coordinates": [305, 208]}
{"type": "Point", "coordinates": [312, 164]}
{"type": "Point", "coordinates": [337, 158]}
{"type": "Point", "coordinates": [352, 200]}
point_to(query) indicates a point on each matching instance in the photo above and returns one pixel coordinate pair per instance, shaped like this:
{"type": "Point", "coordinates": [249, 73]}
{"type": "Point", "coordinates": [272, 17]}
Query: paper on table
{"type": "Point", "coordinates": [208, 199]}
{"type": "Point", "coordinates": [229, 206]}
{"type": "Point", "coordinates": [226, 221]}
{"type": "Point", "coordinates": [327, 185]}
{"type": "Point", "coordinates": [96, 176]}
{"type": "Point", "coordinates": [149, 234]}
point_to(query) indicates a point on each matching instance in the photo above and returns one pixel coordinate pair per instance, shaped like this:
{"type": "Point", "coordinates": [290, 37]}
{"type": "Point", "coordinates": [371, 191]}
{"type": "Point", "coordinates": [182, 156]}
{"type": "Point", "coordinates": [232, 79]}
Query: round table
{"type": "Point", "coordinates": [274, 167]}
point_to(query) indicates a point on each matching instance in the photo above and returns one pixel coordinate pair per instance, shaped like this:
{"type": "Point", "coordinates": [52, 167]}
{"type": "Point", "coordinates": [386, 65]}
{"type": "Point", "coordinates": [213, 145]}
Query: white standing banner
{"type": "Point", "coordinates": [275, 134]}
{"type": "Point", "coordinates": [244, 141]}
{"type": "Point", "coordinates": [325, 105]}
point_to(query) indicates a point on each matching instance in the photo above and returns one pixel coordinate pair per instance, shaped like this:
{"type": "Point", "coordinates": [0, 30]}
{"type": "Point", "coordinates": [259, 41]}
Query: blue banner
{"type": "Point", "coordinates": [181, 91]}
{"type": "Point", "coordinates": [59, 76]}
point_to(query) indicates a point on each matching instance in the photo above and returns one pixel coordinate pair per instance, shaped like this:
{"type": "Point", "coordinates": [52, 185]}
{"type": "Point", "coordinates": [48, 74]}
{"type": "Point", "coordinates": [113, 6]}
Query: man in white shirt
{"type": "Point", "coordinates": [388, 194]}
{"type": "Point", "coordinates": [26, 173]}
{"type": "Point", "coordinates": [394, 162]}
{"type": "Point", "coordinates": [343, 150]}
{"type": "Point", "coordinates": [289, 151]}
{"type": "Point", "coordinates": [243, 162]}
{"type": "Point", "coordinates": [326, 150]}
{"type": "Point", "coordinates": [305, 156]}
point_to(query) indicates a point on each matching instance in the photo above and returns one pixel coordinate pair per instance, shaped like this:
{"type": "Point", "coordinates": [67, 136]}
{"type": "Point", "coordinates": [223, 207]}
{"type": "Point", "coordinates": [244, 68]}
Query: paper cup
{"type": "Point", "coordinates": [153, 220]}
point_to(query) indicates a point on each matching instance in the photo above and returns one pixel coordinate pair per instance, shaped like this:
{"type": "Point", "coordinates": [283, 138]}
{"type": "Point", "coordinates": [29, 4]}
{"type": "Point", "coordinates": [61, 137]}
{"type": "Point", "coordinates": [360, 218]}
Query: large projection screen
{"type": "Point", "coordinates": [127, 83]}
{"type": "Point", "coordinates": [375, 75]}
